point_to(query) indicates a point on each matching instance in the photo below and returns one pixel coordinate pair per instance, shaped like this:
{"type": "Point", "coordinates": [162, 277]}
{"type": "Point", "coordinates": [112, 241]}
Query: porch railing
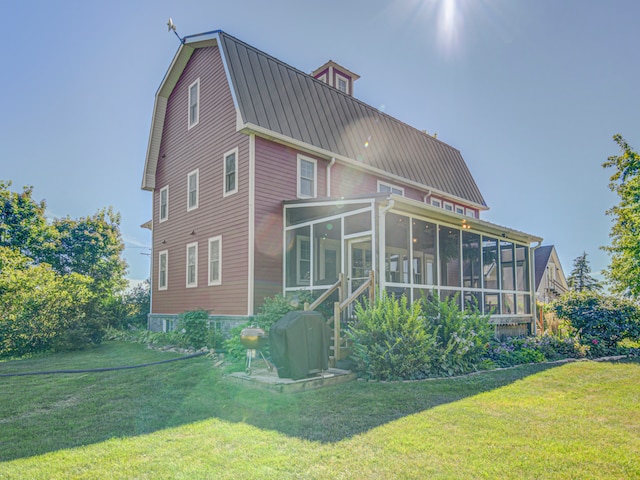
{"type": "Point", "coordinates": [340, 350]}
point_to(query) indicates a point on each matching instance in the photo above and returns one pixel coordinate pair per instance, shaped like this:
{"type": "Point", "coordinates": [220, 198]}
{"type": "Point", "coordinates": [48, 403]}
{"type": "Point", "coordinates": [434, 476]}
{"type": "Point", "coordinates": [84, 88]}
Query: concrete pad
{"type": "Point", "coordinates": [269, 380]}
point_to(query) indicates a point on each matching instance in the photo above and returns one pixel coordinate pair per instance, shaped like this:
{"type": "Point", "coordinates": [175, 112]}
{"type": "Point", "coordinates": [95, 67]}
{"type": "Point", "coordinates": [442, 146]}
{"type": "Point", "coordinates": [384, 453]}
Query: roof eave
{"type": "Point", "coordinates": [178, 64]}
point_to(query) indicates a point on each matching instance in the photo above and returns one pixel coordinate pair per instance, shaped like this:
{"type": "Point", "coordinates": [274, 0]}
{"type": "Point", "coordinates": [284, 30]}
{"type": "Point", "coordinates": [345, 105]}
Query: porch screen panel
{"type": "Point", "coordinates": [523, 304]}
{"type": "Point", "coordinates": [522, 268]}
{"type": "Point", "coordinates": [471, 260]}
{"type": "Point", "coordinates": [506, 262]}
{"type": "Point", "coordinates": [298, 257]}
{"type": "Point", "coordinates": [473, 301]}
{"type": "Point", "coordinates": [450, 296]}
{"type": "Point", "coordinates": [327, 252]}
{"type": "Point", "coordinates": [358, 223]}
{"type": "Point", "coordinates": [424, 267]}
{"type": "Point", "coordinates": [490, 269]}
{"type": "Point", "coordinates": [491, 303]}
{"type": "Point", "coordinates": [449, 257]}
{"type": "Point", "coordinates": [397, 248]}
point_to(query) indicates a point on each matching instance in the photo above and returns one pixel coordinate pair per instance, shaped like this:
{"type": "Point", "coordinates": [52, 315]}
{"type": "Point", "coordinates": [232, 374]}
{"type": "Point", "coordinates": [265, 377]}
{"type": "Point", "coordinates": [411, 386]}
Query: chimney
{"type": "Point", "coordinates": [336, 76]}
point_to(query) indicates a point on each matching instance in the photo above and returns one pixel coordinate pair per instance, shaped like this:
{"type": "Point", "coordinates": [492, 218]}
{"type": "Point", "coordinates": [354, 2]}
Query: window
{"type": "Point", "coordinates": [192, 265]}
{"type": "Point", "coordinates": [342, 83]}
{"type": "Point", "coordinates": [459, 210]}
{"type": "Point", "coordinates": [230, 172]}
{"type": "Point", "coordinates": [448, 206]}
{"type": "Point", "coordinates": [163, 258]}
{"type": "Point", "coordinates": [164, 203]}
{"type": "Point", "coordinates": [192, 190]}
{"type": "Point", "coordinates": [194, 103]}
{"type": "Point", "coordinates": [303, 269]}
{"type": "Point", "coordinates": [215, 263]}
{"type": "Point", "coordinates": [388, 188]}
{"type": "Point", "coordinates": [307, 169]}
{"type": "Point", "coordinates": [436, 202]}
{"type": "Point", "coordinates": [470, 212]}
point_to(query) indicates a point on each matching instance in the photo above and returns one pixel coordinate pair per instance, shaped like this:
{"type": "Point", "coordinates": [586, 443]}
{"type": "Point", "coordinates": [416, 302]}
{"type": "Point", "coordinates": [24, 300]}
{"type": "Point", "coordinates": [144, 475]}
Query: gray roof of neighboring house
{"type": "Point", "coordinates": [279, 98]}
{"type": "Point", "coordinates": [541, 259]}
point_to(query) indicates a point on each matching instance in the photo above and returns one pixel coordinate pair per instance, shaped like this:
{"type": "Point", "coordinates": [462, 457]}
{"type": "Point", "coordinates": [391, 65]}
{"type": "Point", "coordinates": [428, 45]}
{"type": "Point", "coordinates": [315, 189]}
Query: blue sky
{"type": "Point", "coordinates": [531, 93]}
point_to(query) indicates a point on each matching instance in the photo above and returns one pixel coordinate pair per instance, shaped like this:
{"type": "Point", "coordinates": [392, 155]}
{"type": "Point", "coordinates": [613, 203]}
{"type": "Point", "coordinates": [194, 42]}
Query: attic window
{"type": "Point", "coordinates": [342, 83]}
{"type": "Point", "coordinates": [194, 103]}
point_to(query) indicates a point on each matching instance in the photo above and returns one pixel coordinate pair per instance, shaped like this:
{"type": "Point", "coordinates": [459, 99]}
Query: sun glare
{"type": "Point", "coordinates": [449, 26]}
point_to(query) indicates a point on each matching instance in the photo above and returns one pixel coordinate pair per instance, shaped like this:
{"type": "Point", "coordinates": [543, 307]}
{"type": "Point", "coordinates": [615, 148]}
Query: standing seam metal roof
{"type": "Point", "coordinates": [282, 99]}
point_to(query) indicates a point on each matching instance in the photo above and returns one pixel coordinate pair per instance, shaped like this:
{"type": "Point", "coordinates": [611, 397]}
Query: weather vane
{"type": "Point", "coordinates": [172, 26]}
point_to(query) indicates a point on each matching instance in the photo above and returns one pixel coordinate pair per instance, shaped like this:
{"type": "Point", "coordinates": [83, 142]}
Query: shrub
{"type": "Point", "coordinates": [461, 336]}
{"type": "Point", "coordinates": [195, 327]}
{"type": "Point", "coordinates": [592, 315]}
{"type": "Point", "coordinates": [390, 340]}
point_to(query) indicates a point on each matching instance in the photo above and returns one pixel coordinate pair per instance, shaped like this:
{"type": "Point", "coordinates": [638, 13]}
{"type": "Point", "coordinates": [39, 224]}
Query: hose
{"type": "Point", "coordinates": [105, 369]}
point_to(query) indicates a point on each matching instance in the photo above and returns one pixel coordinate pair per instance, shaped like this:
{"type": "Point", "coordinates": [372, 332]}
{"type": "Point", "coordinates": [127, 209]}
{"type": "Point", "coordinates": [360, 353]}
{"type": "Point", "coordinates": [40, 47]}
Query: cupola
{"type": "Point", "coordinates": [336, 76]}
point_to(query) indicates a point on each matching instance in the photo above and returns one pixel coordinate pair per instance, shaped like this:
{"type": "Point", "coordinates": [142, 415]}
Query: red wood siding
{"type": "Point", "coordinates": [276, 180]}
{"type": "Point", "coordinates": [182, 151]}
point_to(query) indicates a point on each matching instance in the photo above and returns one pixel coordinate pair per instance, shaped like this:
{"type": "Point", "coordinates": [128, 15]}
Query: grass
{"type": "Point", "coordinates": [183, 420]}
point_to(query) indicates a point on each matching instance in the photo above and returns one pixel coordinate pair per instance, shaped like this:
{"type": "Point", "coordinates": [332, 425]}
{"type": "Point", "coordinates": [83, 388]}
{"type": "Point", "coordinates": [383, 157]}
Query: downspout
{"type": "Point", "coordinates": [427, 195]}
{"type": "Point", "coordinates": [532, 279]}
{"type": "Point", "coordinates": [331, 164]}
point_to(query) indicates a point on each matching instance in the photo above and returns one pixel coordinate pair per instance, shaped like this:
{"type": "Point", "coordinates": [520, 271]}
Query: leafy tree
{"type": "Point", "coordinates": [580, 279]}
{"type": "Point", "coordinates": [91, 246]}
{"type": "Point", "coordinates": [624, 270]}
{"type": "Point", "coordinates": [22, 223]}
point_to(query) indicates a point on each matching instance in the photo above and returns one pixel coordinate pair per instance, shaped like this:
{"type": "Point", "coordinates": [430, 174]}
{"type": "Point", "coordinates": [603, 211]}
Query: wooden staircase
{"type": "Point", "coordinates": [339, 349]}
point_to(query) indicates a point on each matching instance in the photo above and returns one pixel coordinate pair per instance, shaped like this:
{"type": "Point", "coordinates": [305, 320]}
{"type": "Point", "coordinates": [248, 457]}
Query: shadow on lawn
{"type": "Point", "coordinates": [90, 409]}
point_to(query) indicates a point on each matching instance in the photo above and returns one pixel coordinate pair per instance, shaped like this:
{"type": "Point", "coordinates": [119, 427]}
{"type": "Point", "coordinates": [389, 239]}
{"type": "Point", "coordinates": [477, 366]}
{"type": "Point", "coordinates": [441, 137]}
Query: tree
{"type": "Point", "coordinates": [580, 279]}
{"type": "Point", "coordinates": [624, 270]}
{"type": "Point", "coordinates": [23, 225]}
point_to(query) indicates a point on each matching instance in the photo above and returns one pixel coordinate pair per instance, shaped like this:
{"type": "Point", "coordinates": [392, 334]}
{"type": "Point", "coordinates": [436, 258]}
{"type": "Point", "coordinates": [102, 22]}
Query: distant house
{"type": "Point", "coordinates": [550, 284]}
{"type": "Point", "coordinates": [268, 180]}
{"type": "Point", "coordinates": [550, 280]}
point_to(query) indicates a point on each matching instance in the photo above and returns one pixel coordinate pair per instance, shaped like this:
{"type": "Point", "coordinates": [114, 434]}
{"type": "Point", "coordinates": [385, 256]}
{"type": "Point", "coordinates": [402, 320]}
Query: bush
{"type": "Point", "coordinates": [595, 316]}
{"type": "Point", "coordinates": [462, 336]}
{"type": "Point", "coordinates": [195, 327]}
{"type": "Point", "coordinates": [390, 341]}
{"type": "Point", "coordinates": [429, 338]}
{"type": "Point", "coordinates": [41, 310]}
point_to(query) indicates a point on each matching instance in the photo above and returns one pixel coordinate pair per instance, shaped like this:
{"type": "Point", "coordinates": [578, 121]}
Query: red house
{"type": "Point", "coordinates": [268, 180]}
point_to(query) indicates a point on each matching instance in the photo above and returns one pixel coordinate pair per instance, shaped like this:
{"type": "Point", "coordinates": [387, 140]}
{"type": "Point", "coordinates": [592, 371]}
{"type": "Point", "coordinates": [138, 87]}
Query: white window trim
{"type": "Point", "coordinates": [194, 284]}
{"type": "Point", "coordinates": [224, 176]}
{"type": "Point", "coordinates": [219, 280]}
{"type": "Point", "coordinates": [470, 212]}
{"type": "Point", "coordinates": [315, 176]}
{"type": "Point", "coordinates": [436, 202]}
{"type": "Point", "coordinates": [166, 217]}
{"type": "Point", "coordinates": [460, 208]}
{"type": "Point", "coordinates": [163, 253]}
{"type": "Point", "coordinates": [346, 80]}
{"type": "Point", "coordinates": [195, 172]}
{"type": "Point", "coordinates": [391, 187]}
{"type": "Point", "coordinates": [197, 120]}
{"type": "Point", "coordinates": [448, 206]}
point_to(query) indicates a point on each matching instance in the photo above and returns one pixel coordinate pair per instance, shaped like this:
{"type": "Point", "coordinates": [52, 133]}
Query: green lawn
{"type": "Point", "coordinates": [183, 420]}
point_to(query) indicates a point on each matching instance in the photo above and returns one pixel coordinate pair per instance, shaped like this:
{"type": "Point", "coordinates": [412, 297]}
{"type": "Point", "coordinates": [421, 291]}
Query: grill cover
{"type": "Point", "coordinates": [299, 344]}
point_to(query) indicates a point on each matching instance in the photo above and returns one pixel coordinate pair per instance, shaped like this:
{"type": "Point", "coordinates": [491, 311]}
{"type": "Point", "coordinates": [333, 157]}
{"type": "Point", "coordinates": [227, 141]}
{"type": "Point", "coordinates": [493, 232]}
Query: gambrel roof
{"type": "Point", "coordinates": [276, 100]}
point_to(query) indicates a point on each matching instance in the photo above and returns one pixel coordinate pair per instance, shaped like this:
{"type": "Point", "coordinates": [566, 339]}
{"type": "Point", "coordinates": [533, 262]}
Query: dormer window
{"type": "Point", "coordinates": [342, 85]}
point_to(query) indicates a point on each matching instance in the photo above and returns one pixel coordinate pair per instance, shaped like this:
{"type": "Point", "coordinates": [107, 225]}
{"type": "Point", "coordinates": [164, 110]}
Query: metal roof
{"type": "Point", "coordinates": [278, 98]}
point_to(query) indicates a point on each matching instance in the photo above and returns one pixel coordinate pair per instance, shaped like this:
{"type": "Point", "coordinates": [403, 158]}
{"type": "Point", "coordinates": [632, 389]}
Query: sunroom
{"type": "Point", "coordinates": [410, 248]}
